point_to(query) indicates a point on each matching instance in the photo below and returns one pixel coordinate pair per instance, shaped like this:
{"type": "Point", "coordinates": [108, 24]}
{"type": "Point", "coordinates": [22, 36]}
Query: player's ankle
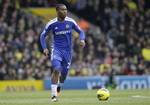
{"type": "Point", "coordinates": [54, 98]}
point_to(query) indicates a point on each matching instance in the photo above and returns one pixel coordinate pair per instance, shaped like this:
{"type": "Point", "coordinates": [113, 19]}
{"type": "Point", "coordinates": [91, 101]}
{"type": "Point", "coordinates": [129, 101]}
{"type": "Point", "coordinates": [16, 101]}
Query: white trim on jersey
{"type": "Point", "coordinates": [66, 19]}
{"type": "Point", "coordinates": [70, 19]}
{"type": "Point", "coordinates": [52, 53]}
{"type": "Point", "coordinates": [51, 22]}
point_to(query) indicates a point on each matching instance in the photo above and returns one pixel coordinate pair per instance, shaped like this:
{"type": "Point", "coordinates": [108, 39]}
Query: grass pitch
{"type": "Point", "coordinates": [76, 97]}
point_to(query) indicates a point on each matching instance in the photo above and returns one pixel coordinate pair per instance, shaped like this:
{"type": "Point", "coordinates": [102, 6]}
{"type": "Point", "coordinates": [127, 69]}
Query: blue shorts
{"type": "Point", "coordinates": [61, 60]}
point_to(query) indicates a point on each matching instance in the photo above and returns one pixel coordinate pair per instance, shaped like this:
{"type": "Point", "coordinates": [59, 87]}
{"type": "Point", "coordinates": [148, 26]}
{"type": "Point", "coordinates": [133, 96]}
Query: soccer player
{"type": "Point", "coordinates": [61, 52]}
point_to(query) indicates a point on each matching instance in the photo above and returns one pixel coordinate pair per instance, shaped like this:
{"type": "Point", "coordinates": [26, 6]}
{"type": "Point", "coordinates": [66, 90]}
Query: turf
{"type": "Point", "coordinates": [76, 97]}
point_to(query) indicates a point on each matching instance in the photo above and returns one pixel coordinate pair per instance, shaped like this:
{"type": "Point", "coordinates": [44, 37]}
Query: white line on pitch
{"type": "Point", "coordinates": [139, 96]}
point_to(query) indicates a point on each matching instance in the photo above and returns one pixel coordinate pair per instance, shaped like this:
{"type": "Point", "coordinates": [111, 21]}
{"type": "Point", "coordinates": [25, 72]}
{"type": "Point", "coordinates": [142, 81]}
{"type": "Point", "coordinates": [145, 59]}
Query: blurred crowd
{"type": "Point", "coordinates": [20, 56]}
{"type": "Point", "coordinates": [125, 26]}
{"type": "Point", "coordinates": [117, 50]}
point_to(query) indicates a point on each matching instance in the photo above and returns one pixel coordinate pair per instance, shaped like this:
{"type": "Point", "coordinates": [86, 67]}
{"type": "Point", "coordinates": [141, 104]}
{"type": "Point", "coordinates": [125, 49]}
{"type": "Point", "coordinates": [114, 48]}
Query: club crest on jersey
{"type": "Point", "coordinates": [67, 26]}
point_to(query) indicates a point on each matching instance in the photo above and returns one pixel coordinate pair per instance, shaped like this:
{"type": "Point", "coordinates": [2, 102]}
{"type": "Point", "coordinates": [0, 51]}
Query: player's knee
{"type": "Point", "coordinates": [55, 72]}
{"type": "Point", "coordinates": [56, 65]}
{"type": "Point", "coordinates": [56, 69]}
{"type": "Point", "coordinates": [62, 78]}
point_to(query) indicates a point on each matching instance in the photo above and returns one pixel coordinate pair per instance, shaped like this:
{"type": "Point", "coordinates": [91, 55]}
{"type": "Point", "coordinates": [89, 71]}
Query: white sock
{"type": "Point", "coordinates": [54, 89]}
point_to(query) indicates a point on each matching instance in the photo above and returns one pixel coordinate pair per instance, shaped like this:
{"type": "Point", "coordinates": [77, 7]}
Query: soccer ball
{"type": "Point", "coordinates": [103, 94]}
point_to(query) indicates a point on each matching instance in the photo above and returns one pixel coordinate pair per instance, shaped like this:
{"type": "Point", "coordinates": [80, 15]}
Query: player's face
{"type": "Point", "coordinates": [62, 11]}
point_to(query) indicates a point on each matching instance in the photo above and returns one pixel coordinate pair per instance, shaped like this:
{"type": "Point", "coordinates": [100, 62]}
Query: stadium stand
{"type": "Point", "coordinates": [122, 47]}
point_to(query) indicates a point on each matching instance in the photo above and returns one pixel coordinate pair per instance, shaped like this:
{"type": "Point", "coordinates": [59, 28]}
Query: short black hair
{"type": "Point", "coordinates": [59, 5]}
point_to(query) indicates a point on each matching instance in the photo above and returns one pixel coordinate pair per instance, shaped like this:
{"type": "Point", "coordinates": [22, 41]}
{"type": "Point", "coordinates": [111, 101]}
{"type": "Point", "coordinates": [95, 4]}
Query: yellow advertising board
{"type": "Point", "coordinates": [46, 13]}
{"type": "Point", "coordinates": [21, 85]}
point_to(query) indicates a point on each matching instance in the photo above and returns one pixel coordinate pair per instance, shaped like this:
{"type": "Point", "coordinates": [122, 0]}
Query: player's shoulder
{"type": "Point", "coordinates": [52, 21]}
{"type": "Point", "coordinates": [70, 20]}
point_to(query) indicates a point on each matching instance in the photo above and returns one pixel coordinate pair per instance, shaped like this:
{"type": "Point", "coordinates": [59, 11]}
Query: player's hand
{"type": "Point", "coordinates": [82, 43]}
{"type": "Point", "coordinates": [46, 52]}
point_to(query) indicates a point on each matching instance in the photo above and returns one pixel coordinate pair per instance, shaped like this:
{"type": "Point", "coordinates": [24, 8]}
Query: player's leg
{"type": "Point", "coordinates": [56, 66]}
{"type": "Point", "coordinates": [66, 66]}
{"type": "Point", "coordinates": [62, 79]}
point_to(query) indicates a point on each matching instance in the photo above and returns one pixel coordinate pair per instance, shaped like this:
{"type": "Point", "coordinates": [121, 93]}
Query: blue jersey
{"type": "Point", "coordinates": [62, 33]}
{"type": "Point", "coordinates": [62, 42]}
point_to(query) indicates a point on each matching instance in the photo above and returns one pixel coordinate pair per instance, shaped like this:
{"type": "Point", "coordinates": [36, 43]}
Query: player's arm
{"type": "Point", "coordinates": [81, 34]}
{"type": "Point", "coordinates": [43, 38]}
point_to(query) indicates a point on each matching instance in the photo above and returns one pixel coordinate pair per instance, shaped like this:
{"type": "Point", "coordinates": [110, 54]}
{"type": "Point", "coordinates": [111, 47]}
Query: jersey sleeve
{"type": "Point", "coordinates": [79, 30]}
{"type": "Point", "coordinates": [43, 35]}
